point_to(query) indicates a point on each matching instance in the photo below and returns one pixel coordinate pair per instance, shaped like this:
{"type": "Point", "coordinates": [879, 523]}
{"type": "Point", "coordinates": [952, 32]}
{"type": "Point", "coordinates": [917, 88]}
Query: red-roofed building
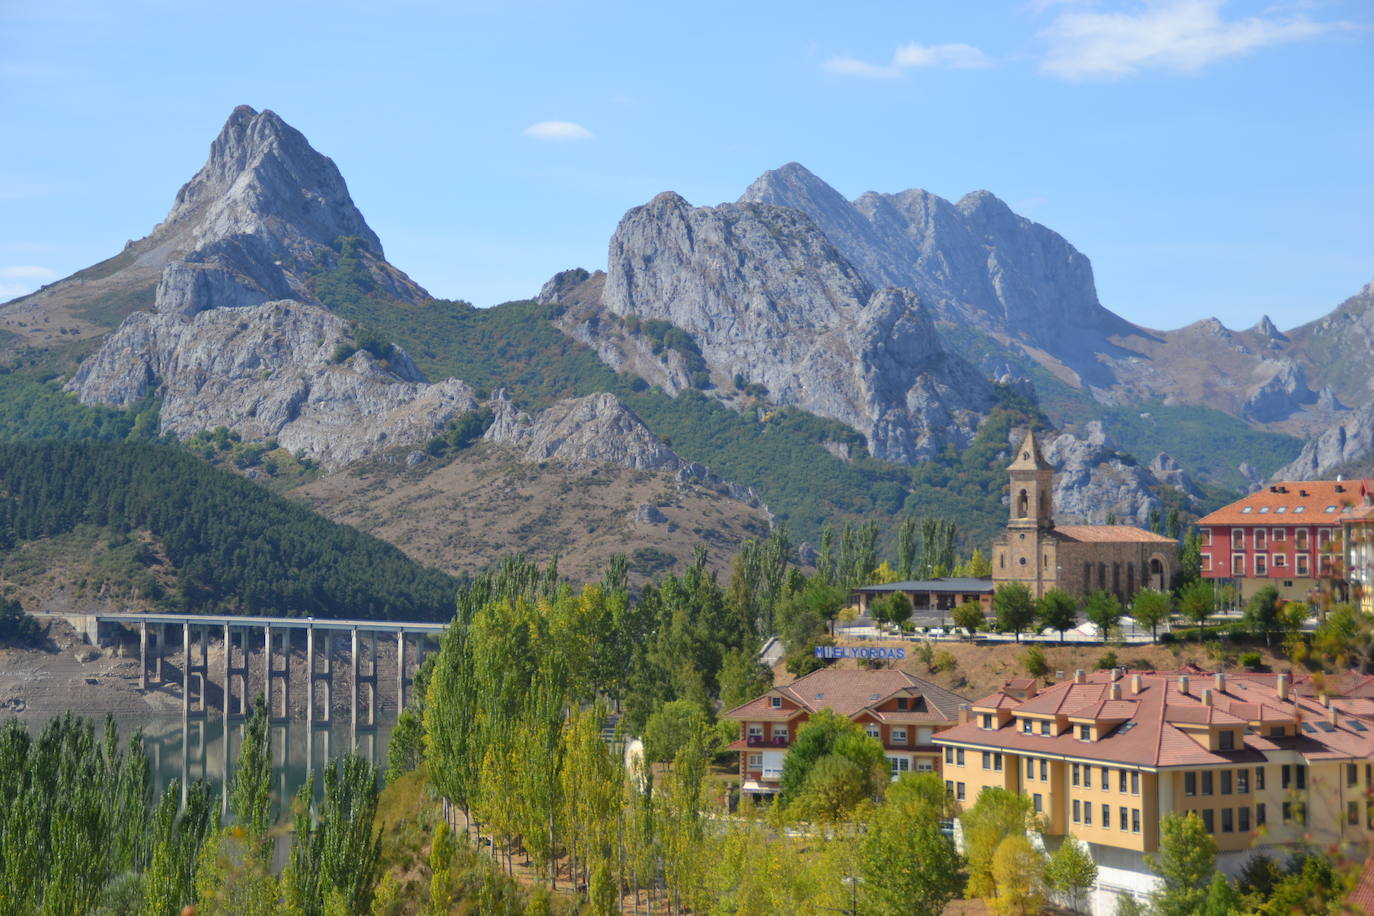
{"type": "Point", "coordinates": [1265, 760]}
{"type": "Point", "coordinates": [1287, 535]}
{"type": "Point", "coordinates": [1037, 553]}
{"type": "Point", "coordinates": [902, 711]}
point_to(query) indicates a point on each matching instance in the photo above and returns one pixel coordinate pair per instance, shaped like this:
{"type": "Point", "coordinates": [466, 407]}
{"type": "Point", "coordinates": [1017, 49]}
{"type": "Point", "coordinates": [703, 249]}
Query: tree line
{"type": "Point", "coordinates": [237, 547]}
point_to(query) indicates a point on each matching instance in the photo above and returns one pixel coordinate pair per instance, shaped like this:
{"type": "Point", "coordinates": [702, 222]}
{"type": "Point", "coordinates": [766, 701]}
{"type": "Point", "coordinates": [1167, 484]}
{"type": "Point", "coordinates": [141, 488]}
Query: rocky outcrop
{"type": "Point", "coordinates": [1094, 479]}
{"type": "Point", "coordinates": [599, 430]}
{"type": "Point", "coordinates": [1282, 395]}
{"type": "Point", "coordinates": [768, 299]}
{"type": "Point", "coordinates": [973, 262]}
{"type": "Point", "coordinates": [1347, 442]}
{"type": "Point", "coordinates": [1169, 472]}
{"type": "Point", "coordinates": [267, 372]}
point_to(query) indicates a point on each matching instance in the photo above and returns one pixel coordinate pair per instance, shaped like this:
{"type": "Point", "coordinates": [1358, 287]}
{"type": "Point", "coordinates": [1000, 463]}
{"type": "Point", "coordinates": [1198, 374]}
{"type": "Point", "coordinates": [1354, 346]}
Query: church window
{"type": "Point", "coordinates": [1023, 505]}
{"type": "Point", "coordinates": [1023, 561]}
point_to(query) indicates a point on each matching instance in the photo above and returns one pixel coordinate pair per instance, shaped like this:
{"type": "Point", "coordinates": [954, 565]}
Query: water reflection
{"type": "Point", "coordinates": [198, 749]}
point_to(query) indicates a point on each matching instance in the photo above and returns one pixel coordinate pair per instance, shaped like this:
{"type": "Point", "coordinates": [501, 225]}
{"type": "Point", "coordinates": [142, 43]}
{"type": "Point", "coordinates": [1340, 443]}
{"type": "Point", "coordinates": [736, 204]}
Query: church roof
{"type": "Point", "coordinates": [1029, 457]}
{"type": "Point", "coordinates": [1110, 534]}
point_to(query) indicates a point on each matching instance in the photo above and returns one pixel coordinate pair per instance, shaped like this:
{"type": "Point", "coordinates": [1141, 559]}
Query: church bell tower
{"type": "Point", "coordinates": [1032, 487]}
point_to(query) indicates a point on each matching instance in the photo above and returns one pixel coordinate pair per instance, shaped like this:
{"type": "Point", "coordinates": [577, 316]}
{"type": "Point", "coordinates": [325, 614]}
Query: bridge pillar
{"type": "Point", "coordinates": [235, 672]}
{"type": "Point", "coordinates": [400, 671]}
{"type": "Point", "coordinates": [270, 672]}
{"type": "Point", "coordinates": [143, 655]}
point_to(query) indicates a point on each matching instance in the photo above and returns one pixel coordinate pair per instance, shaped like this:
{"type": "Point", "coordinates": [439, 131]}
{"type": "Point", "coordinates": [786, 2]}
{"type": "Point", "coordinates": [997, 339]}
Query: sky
{"type": "Point", "coordinates": [1211, 158]}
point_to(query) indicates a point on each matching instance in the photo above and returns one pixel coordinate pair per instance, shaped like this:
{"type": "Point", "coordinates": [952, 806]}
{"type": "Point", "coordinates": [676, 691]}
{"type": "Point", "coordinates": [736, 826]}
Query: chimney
{"type": "Point", "coordinates": [1207, 696]}
{"type": "Point", "coordinates": [1331, 715]}
{"type": "Point", "coordinates": [1183, 683]}
{"type": "Point", "coordinates": [1116, 674]}
{"type": "Point", "coordinates": [1283, 686]}
{"type": "Point", "coordinates": [965, 710]}
{"type": "Point", "coordinates": [1137, 683]}
{"type": "Point", "coordinates": [1221, 682]}
{"type": "Point", "coordinates": [1114, 692]}
{"type": "Point", "coordinates": [1326, 699]}
{"type": "Point", "coordinates": [1080, 676]}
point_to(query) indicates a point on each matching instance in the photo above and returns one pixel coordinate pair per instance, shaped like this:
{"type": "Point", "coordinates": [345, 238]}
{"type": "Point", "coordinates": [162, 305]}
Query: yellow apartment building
{"type": "Point", "coordinates": [1265, 760]}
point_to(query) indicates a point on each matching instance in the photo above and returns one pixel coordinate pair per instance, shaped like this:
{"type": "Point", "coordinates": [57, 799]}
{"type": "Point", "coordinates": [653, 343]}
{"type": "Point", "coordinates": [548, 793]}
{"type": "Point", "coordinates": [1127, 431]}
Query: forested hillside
{"type": "Point", "coordinates": [236, 547]}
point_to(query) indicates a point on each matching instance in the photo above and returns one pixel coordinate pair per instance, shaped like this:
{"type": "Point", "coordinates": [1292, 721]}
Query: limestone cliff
{"type": "Point", "coordinates": [767, 299]}
{"type": "Point", "coordinates": [269, 371]}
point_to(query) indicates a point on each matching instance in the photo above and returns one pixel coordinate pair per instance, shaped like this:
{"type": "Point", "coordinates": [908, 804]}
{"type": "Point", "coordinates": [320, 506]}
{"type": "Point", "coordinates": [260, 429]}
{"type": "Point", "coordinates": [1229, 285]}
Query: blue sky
{"type": "Point", "coordinates": [1212, 158]}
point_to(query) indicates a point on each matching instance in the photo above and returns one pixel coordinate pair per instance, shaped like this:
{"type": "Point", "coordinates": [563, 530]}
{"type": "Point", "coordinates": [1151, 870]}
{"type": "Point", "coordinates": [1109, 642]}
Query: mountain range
{"type": "Point", "coordinates": [791, 357]}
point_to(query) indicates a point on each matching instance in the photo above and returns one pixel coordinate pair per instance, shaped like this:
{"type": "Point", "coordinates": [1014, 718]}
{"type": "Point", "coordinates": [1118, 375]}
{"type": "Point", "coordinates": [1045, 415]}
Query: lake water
{"type": "Point", "coordinates": [199, 749]}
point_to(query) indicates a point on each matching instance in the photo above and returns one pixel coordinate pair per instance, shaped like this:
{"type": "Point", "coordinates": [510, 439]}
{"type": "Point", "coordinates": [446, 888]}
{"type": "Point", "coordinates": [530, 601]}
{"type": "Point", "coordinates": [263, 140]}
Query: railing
{"type": "Point", "coordinates": [761, 741]}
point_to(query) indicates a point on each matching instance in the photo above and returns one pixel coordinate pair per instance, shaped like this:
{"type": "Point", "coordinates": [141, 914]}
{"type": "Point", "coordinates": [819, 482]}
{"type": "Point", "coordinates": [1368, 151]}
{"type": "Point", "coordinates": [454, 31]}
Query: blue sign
{"type": "Point", "coordinates": [859, 652]}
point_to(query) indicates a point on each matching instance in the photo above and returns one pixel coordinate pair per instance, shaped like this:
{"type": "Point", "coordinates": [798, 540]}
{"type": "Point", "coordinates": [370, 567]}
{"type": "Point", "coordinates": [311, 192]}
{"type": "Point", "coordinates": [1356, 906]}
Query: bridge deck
{"type": "Point", "coordinates": [296, 623]}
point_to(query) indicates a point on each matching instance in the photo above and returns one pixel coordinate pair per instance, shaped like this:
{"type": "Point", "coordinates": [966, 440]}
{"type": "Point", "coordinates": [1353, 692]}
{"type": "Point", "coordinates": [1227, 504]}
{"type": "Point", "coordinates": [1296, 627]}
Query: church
{"type": "Point", "coordinates": [1121, 559]}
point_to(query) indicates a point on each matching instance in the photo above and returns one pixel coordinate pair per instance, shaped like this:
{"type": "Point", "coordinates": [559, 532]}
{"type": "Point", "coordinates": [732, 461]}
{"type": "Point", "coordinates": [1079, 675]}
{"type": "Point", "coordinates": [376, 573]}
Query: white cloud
{"type": "Point", "coordinates": [908, 56]}
{"type": "Point", "coordinates": [852, 66]}
{"type": "Point", "coordinates": [557, 130]}
{"type": "Point", "coordinates": [958, 56]}
{"type": "Point", "coordinates": [1174, 36]}
{"type": "Point", "coordinates": [21, 279]}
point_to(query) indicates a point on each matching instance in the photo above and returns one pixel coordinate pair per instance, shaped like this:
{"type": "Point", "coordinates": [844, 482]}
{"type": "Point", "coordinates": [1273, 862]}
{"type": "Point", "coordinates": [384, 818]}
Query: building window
{"type": "Point", "coordinates": [1278, 534]}
{"type": "Point", "coordinates": [1287, 775]}
{"type": "Point", "coordinates": [1352, 774]}
{"type": "Point", "coordinates": [1045, 726]}
{"type": "Point", "coordinates": [1030, 768]}
{"type": "Point", "coordinates": [1075, 774]}
{"type": "Point", "coordinates": [1242, 781]}
{"type": "Point", "coordinates": [1323, 538]}
{"type": "Point", "coordinates": [987, 720]}
{"type": "Point", "coordinates": [1085, 733]}
{"type": "Point", "coordinates": [1040, 802]}
{"type": "Point", "coordinates": [1206, 562]}
{"type": "Point", "coordinates": [1206, 782]}
{"type": "Point", "coordinates": [959, 756]}
{"type": "Point", "coordinates": [949, 788]}
{"type": "Point", "coordinates": [779, 733]}
{"type": "Point", "coordinates": [997, 762]}
{"type": "Point", "coordinates": [1225, 782]}
{"type": "Point", "coordinates": [899, 736]}
{"type": "Point", "coordinates": [1106, 782]}
{"type": "Point", "coordinates": [1279, 560]}
{"type": "Point", "coordinates": [1259, 815]}
{"type": "Point", "coordinates": [874, 731]}
{"type": "Point", "coordinates": [987, 760]}
{"type": "Point", "coordinates": [1244, 815]}
{"type": "Point", "coordinates": [1287, 812]}
{"type": "Point", "coordinates": [775, 702]}
{"type": "Point", "coordinates": [1122, 781]}
{"type": "Point", "coordinates": [1044, 769]}
{"type": "Point", "coordinates": [1135, 820]}
{"type": "Point", "coordinates": [1208, 820]}
{"type": "Point", "coordinates": [1088, 813]}
{"type": "Point", "coordinates": [1135, 782]}
{"type": "Point", "coordinates": [1300, 536]}
{"type": "Point", "coordinates": [959, 791]}
{"type": "Point", "coordinates": [1261, 540]}
{"type": "Point", "coordinates": [1227, 826]}
{"type": "Point", "coordinates": [1107, 816]}
{"type": "Point", "coordinates": [1122, 818]}
{"type": "Point", "coordinates": [1261, 567]}
{"type": "Point", "coordinates": [1026, 726]}
{"type": "Point", "coordinates": [901, 704]}
{"type": "Point", "coordinates": [1237, 539]}
{"type": "Point", "coordinates": [1077, 812]}
{"type": "Point", "coordinates": [899, 765]}
{"type": "Point", "coordinates": [755, 732]}
{"type": "Point", "coordinates": [1303, 569]}
{"type": "Point", "coordinates": [1300, 775]}
{"type": "Point", "coordinates": [949, 755]}
{"type": "Point", "coordinates": [1189, 783]}
{"type": "Point", "coordinates": [1352, 813]}
{"type": "Point", "coordinates": [1227, 740]}
{"type": "Point", "coordinates": [755, 761]}
{"type": "Point", "coordinates": [1237, 564]}
{"type": "Point", "coordinates": [1259, 779]}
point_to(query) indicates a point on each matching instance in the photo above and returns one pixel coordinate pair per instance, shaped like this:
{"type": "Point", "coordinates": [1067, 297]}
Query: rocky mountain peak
{"type": "Point", "coordinates": [1267, 329]}
{"type": "Point", "coordinates": [262, 172]}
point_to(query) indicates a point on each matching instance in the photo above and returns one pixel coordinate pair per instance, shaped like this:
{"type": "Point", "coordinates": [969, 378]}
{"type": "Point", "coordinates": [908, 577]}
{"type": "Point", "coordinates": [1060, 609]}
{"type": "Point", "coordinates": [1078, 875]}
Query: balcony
{"type": "Point", "coordinates": [761, 741]}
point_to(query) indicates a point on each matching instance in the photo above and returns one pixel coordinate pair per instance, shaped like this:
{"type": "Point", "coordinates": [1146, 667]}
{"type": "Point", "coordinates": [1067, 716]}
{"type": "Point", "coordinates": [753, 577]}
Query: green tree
{"type": "Point", "coordinates": [17, 628]}
{"type": "Point", "coordinates": [671, 727]}
{"type": "Point", "coordinates": [1071, 872]}
{"type": "Point", "coordinates": [969, 615]}
{"type": "Point", "coordinates": [1222, 898]}
{"type": "Point", "coordinates": [1196, 601]}
{"type": "Point", "coordinates": [979, 566]}
{"type": "Point", "coordinates": [906, 547]}
{"type": "Point", "coordinates": [1103, 609]}
{"type": "Point", "coordinates": [1190, 557]}
{"type": "Point", "coordinates": [1056, 610]}
{"type": "Point", "coordinates": [1186, 861]}
{"type": "Point", "coordinates": [1036, 665]}
{"type": "Point", "coordinates": [1018, 870]}
{"type": "Point", "coordinates": [909, 866]}
{"type": "Point", "coordinates": [1150, 608]}
{"type": "Point", "coordinates": [1014, 607]}
{"type": "Point", "coordinates": [337, 854]}
{"type": "Point", "coordinates": [825, 734]}
{"type": "Point", "coordinates": [742, 677]}
{"type": "Point", "coordinates": [995, 815]}
{"type": "Point", "coordinates": [1262, 614]}
{"type": "Point", "coordinates": [251, 796]}
{"type": "Point", "coordinates": [893, 608]}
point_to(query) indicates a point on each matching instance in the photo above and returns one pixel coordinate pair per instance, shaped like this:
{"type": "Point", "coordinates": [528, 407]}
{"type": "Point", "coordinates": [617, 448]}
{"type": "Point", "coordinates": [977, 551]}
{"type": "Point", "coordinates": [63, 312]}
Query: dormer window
{"type": "Point", "coordinates": [1226, 740]}
{"type": "Point", "coordinates": [987, 720]}
{"type": "Point", "coordinates": [1085, 733]}
{"type": "Point", "coordinates": [1027, 726]}
{"type": "Point", "coordinates": [1044, 726]}
{"type": "Point", "coordinates": [901, 704]}
{"type": "Point", "coordinates": [775, 702]}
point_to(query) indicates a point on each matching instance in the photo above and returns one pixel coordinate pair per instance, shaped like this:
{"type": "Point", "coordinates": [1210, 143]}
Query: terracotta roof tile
{"type": "Point", "coordinates": [850, 691]}
{"type": "Point", "coordinates": [1305, 502]}
{"type": "Point", "coordinates": [1110, 534]}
